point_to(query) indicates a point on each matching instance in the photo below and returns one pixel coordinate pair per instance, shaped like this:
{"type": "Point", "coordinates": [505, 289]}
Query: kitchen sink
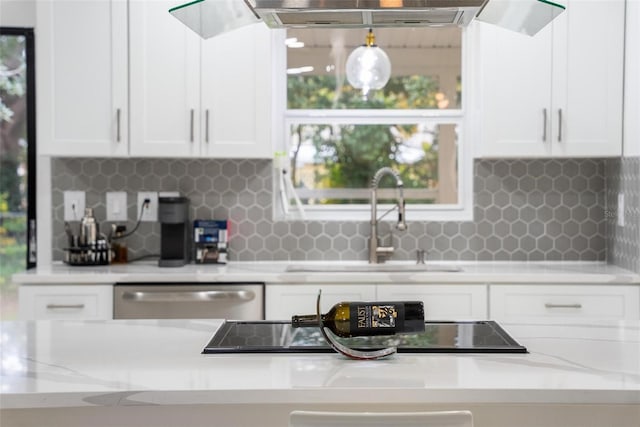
{"type": "Point", "coordinates": [372, 268]}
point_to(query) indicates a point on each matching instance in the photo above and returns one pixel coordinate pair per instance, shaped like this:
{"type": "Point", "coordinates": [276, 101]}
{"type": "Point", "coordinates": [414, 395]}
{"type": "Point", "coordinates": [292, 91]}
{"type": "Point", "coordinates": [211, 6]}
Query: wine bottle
{"type": "Point", "coordinates": [351, 319]}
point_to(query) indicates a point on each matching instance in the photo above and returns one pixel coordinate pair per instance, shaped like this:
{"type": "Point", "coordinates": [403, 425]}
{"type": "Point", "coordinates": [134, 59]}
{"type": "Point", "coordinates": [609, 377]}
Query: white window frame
{"type": "Point", "coordinates": [462, 211]}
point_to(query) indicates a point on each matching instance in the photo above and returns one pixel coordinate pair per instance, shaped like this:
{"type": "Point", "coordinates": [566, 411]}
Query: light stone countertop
{"type": "Point", "coordinates": [56, 364]}
{"type": "Point", "coordinates": [275, 272]}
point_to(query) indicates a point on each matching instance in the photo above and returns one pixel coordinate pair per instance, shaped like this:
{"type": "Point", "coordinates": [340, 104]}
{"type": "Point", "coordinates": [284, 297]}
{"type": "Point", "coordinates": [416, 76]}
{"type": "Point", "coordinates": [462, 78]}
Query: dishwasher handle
{"type": "Point", "coordinates": [188, 296]}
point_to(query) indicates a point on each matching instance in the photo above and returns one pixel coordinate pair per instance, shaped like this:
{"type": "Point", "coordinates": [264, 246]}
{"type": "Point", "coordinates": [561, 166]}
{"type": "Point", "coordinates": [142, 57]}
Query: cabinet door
{"type": "Point", "coordinates": [284, 301]}
{"type": "Point", "coordinates": [632, 81]}
{"type": "Point", "coordinates": [165, 82]}
{"type": "Point", "coordinates": [441, 302]}
{"type": "Point", "coordinates": [82, 78]}
{"type": "Point", "coordinates": [236, 94]}
{"type": "Point", "coordinates": [90, 302]}
{"type": "Point", "coordinates": [515, 92]}
{"type": "Point", "coordinates": [588, 66]}
{"type": "Point", "coordinates": [555, 303]}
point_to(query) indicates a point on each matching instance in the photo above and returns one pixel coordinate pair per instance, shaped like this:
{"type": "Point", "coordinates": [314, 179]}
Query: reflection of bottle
{"type": "Point", "coordinates": [351, 319]}
{"type": "Point", "coordinates": [33, 246]}
{"type": "Point", "coordinates": [119, 248]}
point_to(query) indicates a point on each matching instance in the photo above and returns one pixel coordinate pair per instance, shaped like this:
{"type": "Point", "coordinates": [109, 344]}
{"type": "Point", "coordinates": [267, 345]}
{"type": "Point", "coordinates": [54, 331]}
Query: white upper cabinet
{"type": "Point", "coordinates": [126, 78]}
{"type": "Point", "coordinates": [197, 98]}
{"type": "Point", "coordinates": [632, 81]}
{"type": "Point", "coordinates": [236, 94]}
{"type": "Point", "coordinates": [165, 82]}
{"type": "Point", "coordinates": [558, 93]}
{"type": "Point", "coordinates": [515, 91]}
{"type": "Point", "coordinates": [588, 79]}
{"type": "Point", "coordinates": [81, 51]}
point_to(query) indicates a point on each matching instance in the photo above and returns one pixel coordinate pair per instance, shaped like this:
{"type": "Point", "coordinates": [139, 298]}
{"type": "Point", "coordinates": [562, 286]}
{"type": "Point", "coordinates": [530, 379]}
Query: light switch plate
{"type": "Point", "coordinates": [150, 213]}
{"type": "Point", "coordinates": [74, 203]}
{"type": "Point", "coordinates": [621, 209]}
{"type": "Point", "coordinates": [116, 206]}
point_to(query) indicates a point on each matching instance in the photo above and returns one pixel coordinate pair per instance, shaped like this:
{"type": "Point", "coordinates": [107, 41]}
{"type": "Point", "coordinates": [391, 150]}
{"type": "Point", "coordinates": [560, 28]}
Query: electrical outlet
{"type": "Point", "coordinates": [150, 212]}
{"type": "Point", "coordinates": [621, 209]}
{"type": "Point", "coordinates": [116, 206]}
{"type": "Point", "coordinates": [74, 203]}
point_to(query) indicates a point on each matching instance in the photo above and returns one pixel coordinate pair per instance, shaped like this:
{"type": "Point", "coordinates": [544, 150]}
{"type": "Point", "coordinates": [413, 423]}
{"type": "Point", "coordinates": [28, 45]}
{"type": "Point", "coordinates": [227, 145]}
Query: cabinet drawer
{"type": "Point", "coordinates": [441, 302]}
{"type": "Point", "coordinates": [554, 302]}
{"type": "Point", "coordinates": [66, 302]}
{"type": "Point", "coordinates": [284, 301]}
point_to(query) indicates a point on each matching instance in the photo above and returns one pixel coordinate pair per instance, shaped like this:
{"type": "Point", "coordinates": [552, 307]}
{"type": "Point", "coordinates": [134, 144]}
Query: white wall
{"type": "Point", "coordinates": [18, 13]}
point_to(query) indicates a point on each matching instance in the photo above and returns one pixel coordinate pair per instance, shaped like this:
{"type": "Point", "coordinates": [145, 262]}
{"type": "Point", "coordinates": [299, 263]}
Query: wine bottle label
{"type": "Point", "coordinates": [376, 319]}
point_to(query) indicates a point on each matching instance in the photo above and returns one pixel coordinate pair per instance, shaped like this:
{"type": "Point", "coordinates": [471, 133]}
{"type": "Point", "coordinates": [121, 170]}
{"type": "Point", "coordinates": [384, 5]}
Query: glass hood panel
{"type": "Point", "coordinates": [524, 16]}
{"type": "Point", "coordinates": [210, 18]}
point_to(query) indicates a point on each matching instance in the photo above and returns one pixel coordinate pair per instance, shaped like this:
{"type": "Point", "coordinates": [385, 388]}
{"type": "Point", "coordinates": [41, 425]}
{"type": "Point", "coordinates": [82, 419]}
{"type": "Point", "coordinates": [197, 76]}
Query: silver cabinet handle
{"type": "Point", "coordinates": [206, 126]}
{"type": "Point", "coordinates": [544, 125]}
{"type": "Point", "coordinates": [549, 305]}
{"type": "Point", "coordinates": [118, 125]}
{"type": "Point", "coordinates": [191, 131]}
{"type": "Point", "coordinates": [559, 124]}
{"type": "Point", "coordinates": [188, 296]}
{"type": "Point", "coordinates": [65, 306]}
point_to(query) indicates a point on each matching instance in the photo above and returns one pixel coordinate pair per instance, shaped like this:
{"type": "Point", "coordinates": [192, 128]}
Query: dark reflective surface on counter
{"type": "Point", "coordinates": [438, 337]}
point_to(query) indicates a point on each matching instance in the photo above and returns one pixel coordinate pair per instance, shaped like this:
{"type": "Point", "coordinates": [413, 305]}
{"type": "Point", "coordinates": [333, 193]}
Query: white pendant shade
{"type": "Point", "coordinates": [368, 68]}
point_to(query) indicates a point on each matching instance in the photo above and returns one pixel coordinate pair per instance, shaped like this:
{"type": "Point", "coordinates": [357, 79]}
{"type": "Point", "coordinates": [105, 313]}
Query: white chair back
{"type": "Point", "coordinates": [381, 419]}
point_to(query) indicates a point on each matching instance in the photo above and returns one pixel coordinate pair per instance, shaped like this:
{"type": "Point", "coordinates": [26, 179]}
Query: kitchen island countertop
{"type": "Point", "coordinates": [276, 272]}
{"type": "Point", "coordinates": [159, 362]}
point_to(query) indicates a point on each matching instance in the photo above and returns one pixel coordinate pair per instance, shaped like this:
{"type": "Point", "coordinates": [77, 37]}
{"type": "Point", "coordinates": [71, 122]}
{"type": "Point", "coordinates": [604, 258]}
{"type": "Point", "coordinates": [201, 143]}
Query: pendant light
{"type": "Point", "coordinates": [368, 66]}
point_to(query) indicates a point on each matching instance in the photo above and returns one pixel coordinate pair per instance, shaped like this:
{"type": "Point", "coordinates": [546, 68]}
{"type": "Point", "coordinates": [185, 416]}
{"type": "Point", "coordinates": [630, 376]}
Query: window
{"type": "Point", "coordinates": [17, 161]}
{"type": "Point", "coordinates": [335, 140]}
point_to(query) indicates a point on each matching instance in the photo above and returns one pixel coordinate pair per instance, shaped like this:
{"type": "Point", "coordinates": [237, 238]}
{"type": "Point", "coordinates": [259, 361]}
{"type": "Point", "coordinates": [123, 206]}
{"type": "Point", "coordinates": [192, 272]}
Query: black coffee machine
{"type": "Point", "coordinates": [173, 214]}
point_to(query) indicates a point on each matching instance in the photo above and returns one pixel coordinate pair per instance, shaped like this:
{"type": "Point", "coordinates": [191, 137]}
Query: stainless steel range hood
{"type": "Point", "coordinates": [364, 13]}
{"type": "Point", "coordinates": [212, 17]}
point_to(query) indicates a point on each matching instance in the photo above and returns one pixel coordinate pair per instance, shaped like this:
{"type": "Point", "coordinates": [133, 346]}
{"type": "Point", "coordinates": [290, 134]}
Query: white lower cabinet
{"type": "Point", "coordinates": [284, 301]}
{"type": "Point", "coordinates": [506, 303]}
{"type": "Point", "coordinates": [564, 302]}
{"type": "Point", "coordinates": [441, 302]}
{"type": "Point", "coordinates": [80, 302]}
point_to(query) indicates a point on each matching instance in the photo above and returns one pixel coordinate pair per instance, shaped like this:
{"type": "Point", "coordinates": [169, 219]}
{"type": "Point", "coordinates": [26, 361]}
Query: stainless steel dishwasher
{"type": "Point", "coordinates": [232, 301]}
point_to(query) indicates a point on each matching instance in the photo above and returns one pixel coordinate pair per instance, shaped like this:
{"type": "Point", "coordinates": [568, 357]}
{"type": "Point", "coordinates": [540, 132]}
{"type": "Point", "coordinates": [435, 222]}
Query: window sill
{"type": "Point", "coordinates": [363, 214]}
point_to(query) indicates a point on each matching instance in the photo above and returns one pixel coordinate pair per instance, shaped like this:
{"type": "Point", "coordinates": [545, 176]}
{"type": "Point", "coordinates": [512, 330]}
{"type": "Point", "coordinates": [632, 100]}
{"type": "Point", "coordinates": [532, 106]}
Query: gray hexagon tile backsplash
{"type": "Point", "coordinates": [523, 209]}
{"type": "Point", "coordinates": [623, 242]}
